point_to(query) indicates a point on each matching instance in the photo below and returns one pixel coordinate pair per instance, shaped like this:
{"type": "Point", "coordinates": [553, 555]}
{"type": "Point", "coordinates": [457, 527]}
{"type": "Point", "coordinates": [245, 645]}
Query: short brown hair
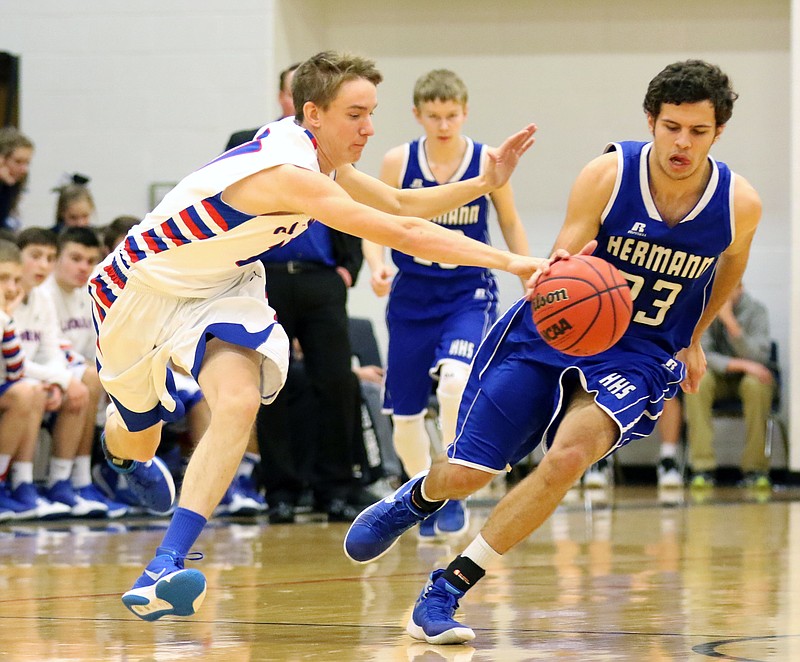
{"type": "Point", "coordinates": [440, 85]}
{"type": "Point", "coordinates": [319, 78]}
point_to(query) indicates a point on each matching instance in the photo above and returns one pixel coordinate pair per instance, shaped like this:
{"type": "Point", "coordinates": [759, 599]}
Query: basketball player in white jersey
{"type": "Point", "coordinates": [185, 291]}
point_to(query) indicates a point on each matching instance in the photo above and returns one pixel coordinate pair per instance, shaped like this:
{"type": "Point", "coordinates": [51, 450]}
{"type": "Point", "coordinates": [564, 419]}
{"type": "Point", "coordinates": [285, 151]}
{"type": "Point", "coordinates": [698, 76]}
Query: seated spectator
{"type": "Point", "coordinates": [71, 383]}
{"type": "Point", "coordinates": [115, 232]}
{"type": "Point", "coordinates": [737, 346]}
{"type": "Point", "coordinates": [16, 152]}
{"type": "Point", "coordinates": [21, 401]}
{"type": "Point", "coordinates": [75, 207]}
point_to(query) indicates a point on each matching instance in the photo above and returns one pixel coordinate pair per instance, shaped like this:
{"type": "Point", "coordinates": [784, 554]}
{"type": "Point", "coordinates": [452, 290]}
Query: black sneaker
{"type": "Point", "coordinates": [340, 510]}
{"type": "Point", "coordinates": [281, 513]}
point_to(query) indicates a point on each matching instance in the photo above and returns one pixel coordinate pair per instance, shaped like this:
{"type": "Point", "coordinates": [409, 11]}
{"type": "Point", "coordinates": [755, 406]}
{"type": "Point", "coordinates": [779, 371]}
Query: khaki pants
{"type": "Point", "coordinates": [756, 403]}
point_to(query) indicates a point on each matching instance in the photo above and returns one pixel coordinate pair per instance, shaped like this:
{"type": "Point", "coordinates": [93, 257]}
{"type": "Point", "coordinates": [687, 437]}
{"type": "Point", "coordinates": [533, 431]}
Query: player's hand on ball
{"type": "Point", "coordinates": [558, 254]}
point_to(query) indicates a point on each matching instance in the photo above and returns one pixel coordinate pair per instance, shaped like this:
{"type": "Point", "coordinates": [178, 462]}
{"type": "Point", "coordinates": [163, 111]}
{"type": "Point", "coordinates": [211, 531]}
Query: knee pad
{"type": "Point", "coordinates": [452, 379]}
{"type": "Point", "coordinates": [412, 443]}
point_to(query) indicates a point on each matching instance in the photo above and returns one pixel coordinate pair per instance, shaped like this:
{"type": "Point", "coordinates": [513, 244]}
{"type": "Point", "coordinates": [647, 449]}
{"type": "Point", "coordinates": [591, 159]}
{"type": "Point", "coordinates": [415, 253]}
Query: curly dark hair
{"type": "Point", "coordinates": [691, 81]}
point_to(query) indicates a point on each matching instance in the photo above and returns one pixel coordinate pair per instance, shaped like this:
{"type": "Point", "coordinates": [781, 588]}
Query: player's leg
{"type": "Point", "coordinates": [229, 378]}
{"type": "Point", "coordinates": [462, 332]}
{"type": "Point", "coordinates": [496, 423]}
{"type": "Point", "coordinates": [410, 355]}
{"type": "Point", "coordinates": [585, 434]}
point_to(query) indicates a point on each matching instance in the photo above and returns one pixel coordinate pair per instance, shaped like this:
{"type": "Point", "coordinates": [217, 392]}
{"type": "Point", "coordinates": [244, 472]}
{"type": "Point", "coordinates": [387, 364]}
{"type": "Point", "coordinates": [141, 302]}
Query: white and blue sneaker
{"type": "Point", "coordinates": [91, 492]}
{"type": "Point", "coordinates": [152, 485]}
{"type": "Point", "coordinates": [62, 491]}
{"type": "Point", "coordinates": [149, 483]}
{"type": "Point", "coordinates": [236, 501]}
{"type": "Point", "coordinates": [166, 588]}
{"type": "Point", "coordinates": [432, 619]}
{"type": "Point", "coordinates": [377, 527]}
{"type": "Point", "coordinates": [452, 519]}
{"type": "Point", "coordinates": [44, 509]}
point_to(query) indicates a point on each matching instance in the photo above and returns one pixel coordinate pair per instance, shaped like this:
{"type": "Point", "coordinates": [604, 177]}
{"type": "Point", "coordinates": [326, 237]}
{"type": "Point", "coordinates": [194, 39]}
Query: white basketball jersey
{"type": "Point", "coordinates": [193, 244]}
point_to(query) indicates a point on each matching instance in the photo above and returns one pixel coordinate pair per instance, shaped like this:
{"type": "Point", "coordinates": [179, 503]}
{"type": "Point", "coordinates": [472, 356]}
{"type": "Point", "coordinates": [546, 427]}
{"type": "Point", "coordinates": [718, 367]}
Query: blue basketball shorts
{"type": "Point", "coordinates": [518, 386]}
{"type": "Point", "coordinates": [425, 329]}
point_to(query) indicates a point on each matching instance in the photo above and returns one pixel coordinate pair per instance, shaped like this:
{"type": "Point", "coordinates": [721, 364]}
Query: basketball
{"type": "Point", "coordinates": [583, 306]}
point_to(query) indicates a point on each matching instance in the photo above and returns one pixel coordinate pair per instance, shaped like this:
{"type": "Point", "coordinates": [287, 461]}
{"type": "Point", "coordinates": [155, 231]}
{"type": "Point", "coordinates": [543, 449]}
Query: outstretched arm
{"type": "Point", "coordinates": [430, 202]}
{"type": "Point", "coordinates": [289, 189]}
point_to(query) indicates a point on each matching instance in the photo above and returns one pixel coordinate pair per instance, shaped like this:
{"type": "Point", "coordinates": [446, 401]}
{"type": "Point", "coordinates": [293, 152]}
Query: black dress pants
{"type": "Point", "coordinates": [306, 439]}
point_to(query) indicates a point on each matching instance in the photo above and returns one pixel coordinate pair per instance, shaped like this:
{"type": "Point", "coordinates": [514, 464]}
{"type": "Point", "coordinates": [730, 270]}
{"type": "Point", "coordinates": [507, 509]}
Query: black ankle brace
{"type": "Point", "coordinates": [117, 463]}
{"type": "Point", "coordinates": [420, 502]}
{"type": "Point", "coordinates": [463, 573]}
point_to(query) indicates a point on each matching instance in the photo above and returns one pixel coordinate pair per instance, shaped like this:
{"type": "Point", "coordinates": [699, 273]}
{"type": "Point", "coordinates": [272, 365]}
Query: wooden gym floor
{"type": "Point", "coordinates": [617, 575]}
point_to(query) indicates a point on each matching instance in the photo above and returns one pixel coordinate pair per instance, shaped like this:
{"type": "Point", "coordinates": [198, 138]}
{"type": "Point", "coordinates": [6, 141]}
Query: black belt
{"type": "Point", "coordinates": [296, 266]}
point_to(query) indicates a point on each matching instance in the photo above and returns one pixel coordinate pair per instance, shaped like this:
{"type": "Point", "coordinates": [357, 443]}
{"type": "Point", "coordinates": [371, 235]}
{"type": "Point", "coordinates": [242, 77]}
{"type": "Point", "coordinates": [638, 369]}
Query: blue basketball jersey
{"type": "Point", "coordinates": [670, 269]}
{"type": "Point", "coordinates": [470, 219]}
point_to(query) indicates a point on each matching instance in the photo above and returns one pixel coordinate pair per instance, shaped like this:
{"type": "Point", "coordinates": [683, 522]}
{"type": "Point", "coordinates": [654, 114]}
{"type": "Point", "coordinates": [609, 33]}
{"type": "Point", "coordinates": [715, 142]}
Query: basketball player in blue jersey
{"type": "Point", "coordinates": [185, 292]}
{"type": "Point", "coordinates": [679, 225]}
{"type": "Point", "coordinates": [438, 313]}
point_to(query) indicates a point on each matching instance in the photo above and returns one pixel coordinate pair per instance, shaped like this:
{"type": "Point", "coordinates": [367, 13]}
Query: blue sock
{"type": "Point", "coordinates": [183, 531]}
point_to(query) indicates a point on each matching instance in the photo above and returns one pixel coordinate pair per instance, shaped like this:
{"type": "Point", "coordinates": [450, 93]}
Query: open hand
{"type": "Point", "coordinates": [503, 159]}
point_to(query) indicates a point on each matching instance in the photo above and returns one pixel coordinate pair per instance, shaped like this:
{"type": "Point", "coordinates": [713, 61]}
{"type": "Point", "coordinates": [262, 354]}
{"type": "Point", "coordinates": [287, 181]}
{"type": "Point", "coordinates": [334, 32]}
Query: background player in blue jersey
{"type": "Point", "coordinates": [438, 313]}
{"type": "Point", "coordinates": [185, 291]}
{"type": "Point", "coordinates": [679, 225]}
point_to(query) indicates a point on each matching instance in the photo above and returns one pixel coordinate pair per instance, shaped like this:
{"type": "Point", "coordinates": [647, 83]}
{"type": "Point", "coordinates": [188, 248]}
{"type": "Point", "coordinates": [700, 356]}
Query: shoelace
{"type": "Point", "coordinates": [179, 559]}
{"type": "Point", "coordinates": [440, 607]}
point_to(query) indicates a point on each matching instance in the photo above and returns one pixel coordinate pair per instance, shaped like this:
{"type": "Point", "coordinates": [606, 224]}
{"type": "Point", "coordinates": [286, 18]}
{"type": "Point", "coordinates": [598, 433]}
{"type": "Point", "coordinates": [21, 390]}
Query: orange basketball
{"type": "Point", "coordinates": [583, 306]}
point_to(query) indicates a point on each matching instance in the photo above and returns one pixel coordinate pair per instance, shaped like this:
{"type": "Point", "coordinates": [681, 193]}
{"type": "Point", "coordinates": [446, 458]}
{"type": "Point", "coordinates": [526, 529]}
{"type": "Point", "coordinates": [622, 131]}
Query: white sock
{"type": "Point", "coordinates": [481, 553]}
{"type": "Point", "coordinates": [21, 472]}
{"type": "Point", "coordinates": [60, 469]}
{"type": "Point", "coordinates": [82, 471]}
{"type": "Point", "coordinates": [412, 444]}
{"type": "Point", "coordinates": [668, 451]}
{"type": "Point", "coordinates": [5, 460]}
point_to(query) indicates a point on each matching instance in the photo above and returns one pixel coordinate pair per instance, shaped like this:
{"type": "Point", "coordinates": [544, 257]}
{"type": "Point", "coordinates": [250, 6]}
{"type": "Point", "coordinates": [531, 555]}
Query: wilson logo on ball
{"type": "Point", "coordinates": [540, 300]}
{"type": "Point", "coordinates": [582, 306]}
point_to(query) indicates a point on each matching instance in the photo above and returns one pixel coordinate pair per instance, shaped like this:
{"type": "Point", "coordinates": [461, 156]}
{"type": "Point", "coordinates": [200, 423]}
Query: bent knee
{"type": "Point", "coordinates": [452, 379]}
{"type": "Point", "coordinates": [455, 481]}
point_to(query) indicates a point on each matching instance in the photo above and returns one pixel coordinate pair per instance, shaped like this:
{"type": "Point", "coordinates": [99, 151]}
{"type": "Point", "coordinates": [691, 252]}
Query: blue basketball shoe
{"type": "Point", "coordinates": [152, 485]}
{"type": "Point", "coordinates": [379, 526]}
{"type": "Point", "coordinates": [427, 527]}
{"type": "Point", "coordinates": [432, 619]}
{"type": "Point", "coordinates": [150, 482]}
{"type": "Point", "coordinates": [453, 518]}
{"type": "Point", "coordinates": [166, 588]}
